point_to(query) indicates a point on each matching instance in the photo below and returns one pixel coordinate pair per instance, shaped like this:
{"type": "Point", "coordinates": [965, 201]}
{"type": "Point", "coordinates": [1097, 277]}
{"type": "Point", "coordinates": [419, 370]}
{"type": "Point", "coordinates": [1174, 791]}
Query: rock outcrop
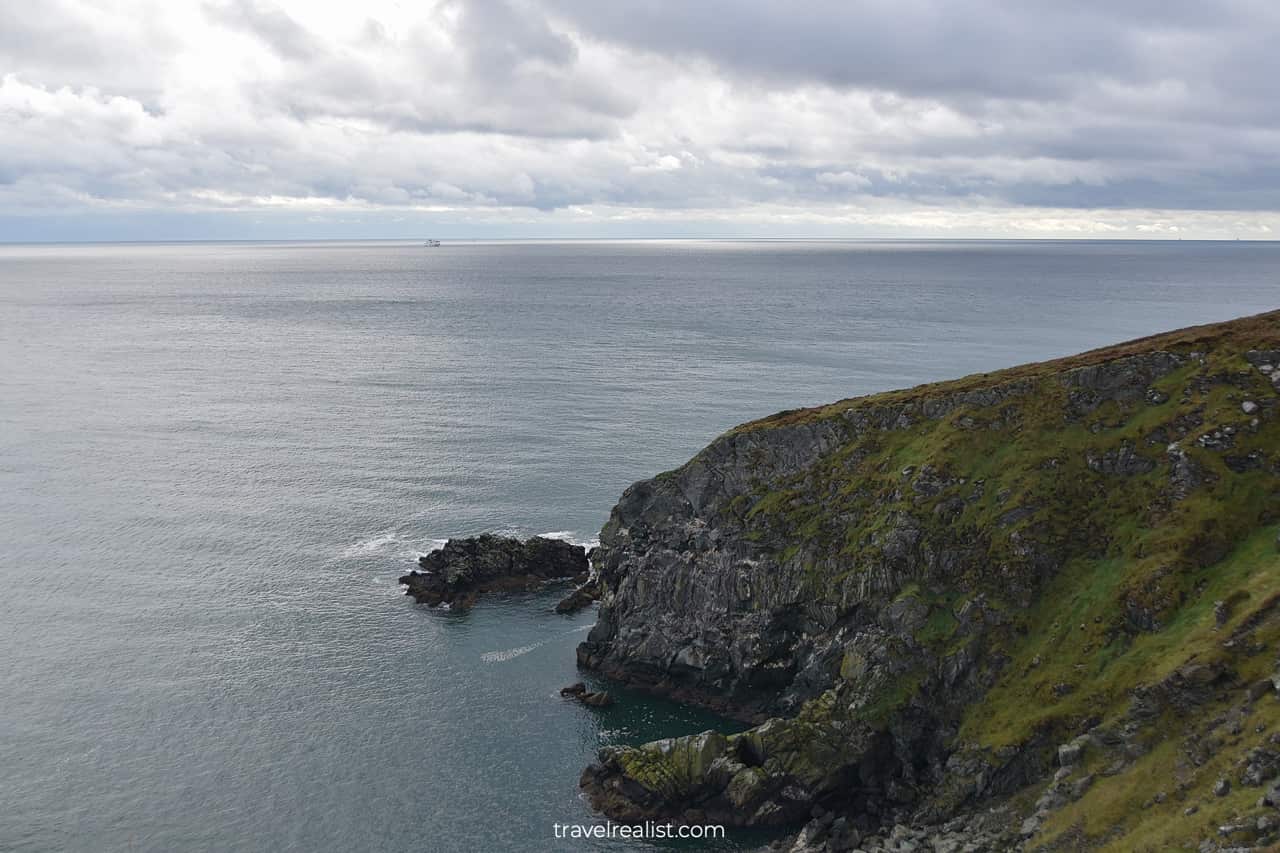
{"type": "Point", "coordinates": [591, 698]}
{"type": "Point", "coordinates": [464, 568]}
{"type": "Point", "coordinates": [583, 595]}
{"type": "Point", "coordinates": [920, 596]}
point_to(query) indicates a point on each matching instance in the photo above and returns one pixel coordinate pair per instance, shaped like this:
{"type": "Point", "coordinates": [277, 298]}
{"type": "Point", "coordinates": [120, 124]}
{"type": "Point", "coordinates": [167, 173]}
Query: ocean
{"type": "Point", "coordinates": [217, 458]}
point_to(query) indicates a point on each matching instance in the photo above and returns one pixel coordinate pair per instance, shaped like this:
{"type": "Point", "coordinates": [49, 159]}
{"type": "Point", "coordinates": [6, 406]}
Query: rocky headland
{"type": "Point", "coordinates": [1033, 609]}
{"type": "Point", "coordinates": [465, 568]}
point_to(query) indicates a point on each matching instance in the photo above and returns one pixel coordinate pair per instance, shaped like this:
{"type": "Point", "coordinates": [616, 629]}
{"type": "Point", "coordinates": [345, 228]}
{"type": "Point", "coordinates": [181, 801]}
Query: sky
{"type": "Point", "coordinates": [288, 119]}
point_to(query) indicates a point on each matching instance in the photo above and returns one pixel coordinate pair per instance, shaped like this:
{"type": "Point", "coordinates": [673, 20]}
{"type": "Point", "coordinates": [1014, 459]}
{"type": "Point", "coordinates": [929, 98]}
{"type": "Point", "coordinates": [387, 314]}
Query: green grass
{"type": "Point", "coordinates": [1102, 665]}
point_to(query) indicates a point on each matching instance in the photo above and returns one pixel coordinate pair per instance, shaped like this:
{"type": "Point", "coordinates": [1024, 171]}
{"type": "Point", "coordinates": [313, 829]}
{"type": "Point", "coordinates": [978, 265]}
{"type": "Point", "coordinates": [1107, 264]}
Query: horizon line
{"type": "Point", "coordinates": [646, 239]}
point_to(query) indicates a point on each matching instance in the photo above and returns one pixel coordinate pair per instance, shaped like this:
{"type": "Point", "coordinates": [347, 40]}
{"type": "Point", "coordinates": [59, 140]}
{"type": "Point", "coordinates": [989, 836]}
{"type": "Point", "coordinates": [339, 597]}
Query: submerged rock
{"type": "Point", "coordinates": [464, 568]}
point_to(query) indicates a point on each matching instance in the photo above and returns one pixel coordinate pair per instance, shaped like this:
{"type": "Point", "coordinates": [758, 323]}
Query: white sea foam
{"type": "Point", "coordinates": [508, 654]}
{"type": "Point", "coordinates": [371, 545]}
{"type": "Point", "coordinates": [431, 545]}
{"type": "Point", "coordinates": [572, 537]}
{"type": "Point", "coordinates": [390, 542]}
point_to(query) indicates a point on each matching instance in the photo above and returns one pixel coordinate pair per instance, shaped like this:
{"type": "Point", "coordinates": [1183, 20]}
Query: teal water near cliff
{"type": "Point", "coordinates": [215, 460]}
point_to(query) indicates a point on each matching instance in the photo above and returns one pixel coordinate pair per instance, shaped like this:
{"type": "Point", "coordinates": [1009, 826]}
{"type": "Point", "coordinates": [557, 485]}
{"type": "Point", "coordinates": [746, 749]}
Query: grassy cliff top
{"type": "Point", "coordinates": [1260, 331]}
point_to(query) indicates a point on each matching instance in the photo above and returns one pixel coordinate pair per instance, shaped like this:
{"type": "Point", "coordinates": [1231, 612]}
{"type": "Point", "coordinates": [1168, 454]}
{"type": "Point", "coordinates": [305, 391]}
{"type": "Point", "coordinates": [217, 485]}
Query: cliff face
{"type": "Point", "coordinates": [922, 595]}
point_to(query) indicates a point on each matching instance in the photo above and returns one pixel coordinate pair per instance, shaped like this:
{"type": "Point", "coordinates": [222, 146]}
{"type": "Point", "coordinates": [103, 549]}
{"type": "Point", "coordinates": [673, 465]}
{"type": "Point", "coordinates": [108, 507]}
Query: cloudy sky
{"type": "Point", "coordinates": [132, 119]}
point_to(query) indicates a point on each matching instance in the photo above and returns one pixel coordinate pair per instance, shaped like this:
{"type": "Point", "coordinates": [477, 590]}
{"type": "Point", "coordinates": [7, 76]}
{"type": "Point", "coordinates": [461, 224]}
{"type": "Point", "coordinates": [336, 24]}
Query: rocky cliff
{"type": "Point", "coordinates": [1027, 609]}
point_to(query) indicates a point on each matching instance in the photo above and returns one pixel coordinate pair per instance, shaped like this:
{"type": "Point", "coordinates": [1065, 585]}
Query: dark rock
{"type": "Point", "coordinates": [1252, 461]}
{"type": "Point", "coordinates": [1187, 687]}
{"type": "Point", "coordinates": [594, 699]}
{"type": "Point", "coordinates": [582, 596]}
{"type": "Point", "coordinates": [1185, 474]}
{"type": "Point", "coordinates": [464, 568]}
{"type": "Point", "coordinates": [1258, 358]}
{"type": "Point", "coordinates": [1218, 439]}
{"type": "Point", "coordinates": [1123, 461]}
{"type": "Point", "coordinates": [1122, 380]}
{"type": "Point", "coordinates": [599, 699]}
{"type": "Point", "coordinates": [1070, 753]}
{"type": "Point", "coordinates": [1260, 765]}
{"type": "Point", "coordinates": [1015, 515]}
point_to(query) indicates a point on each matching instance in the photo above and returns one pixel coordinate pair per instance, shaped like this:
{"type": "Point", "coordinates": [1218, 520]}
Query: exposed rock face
{"type": "Point", "coordinates": [582, 596]}
{"type": "Point", "coordinates": [465, 568]}
{"type": "Point", "coordinates": [594, 699]}
{"type": "Point", "coordinates": [919, 596]}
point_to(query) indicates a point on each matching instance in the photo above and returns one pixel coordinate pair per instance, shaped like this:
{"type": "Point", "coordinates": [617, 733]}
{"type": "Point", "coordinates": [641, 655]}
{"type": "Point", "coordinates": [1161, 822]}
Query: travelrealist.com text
{"type": "Point", "coordinates": [640, 831]}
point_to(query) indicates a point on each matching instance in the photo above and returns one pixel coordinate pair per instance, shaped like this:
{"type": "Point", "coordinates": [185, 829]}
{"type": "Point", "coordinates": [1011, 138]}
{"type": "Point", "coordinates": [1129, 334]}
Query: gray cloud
{"type": "Point", "coordinates": [1179, 90]}
{"type": "Point", "coordinates": [491, 66]}
{"type": "Point", "coordinates": [274, 27]}
{"type": "Point", "coordinates": [911, 111]}
{"type": "Point", "coordinates": [933, 48]}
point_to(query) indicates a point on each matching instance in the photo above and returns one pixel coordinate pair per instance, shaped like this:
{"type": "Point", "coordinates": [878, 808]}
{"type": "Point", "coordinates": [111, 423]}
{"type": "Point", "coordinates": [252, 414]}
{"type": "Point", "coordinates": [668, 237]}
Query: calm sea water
{"type": "Point", "coordinates": [215, 460]}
